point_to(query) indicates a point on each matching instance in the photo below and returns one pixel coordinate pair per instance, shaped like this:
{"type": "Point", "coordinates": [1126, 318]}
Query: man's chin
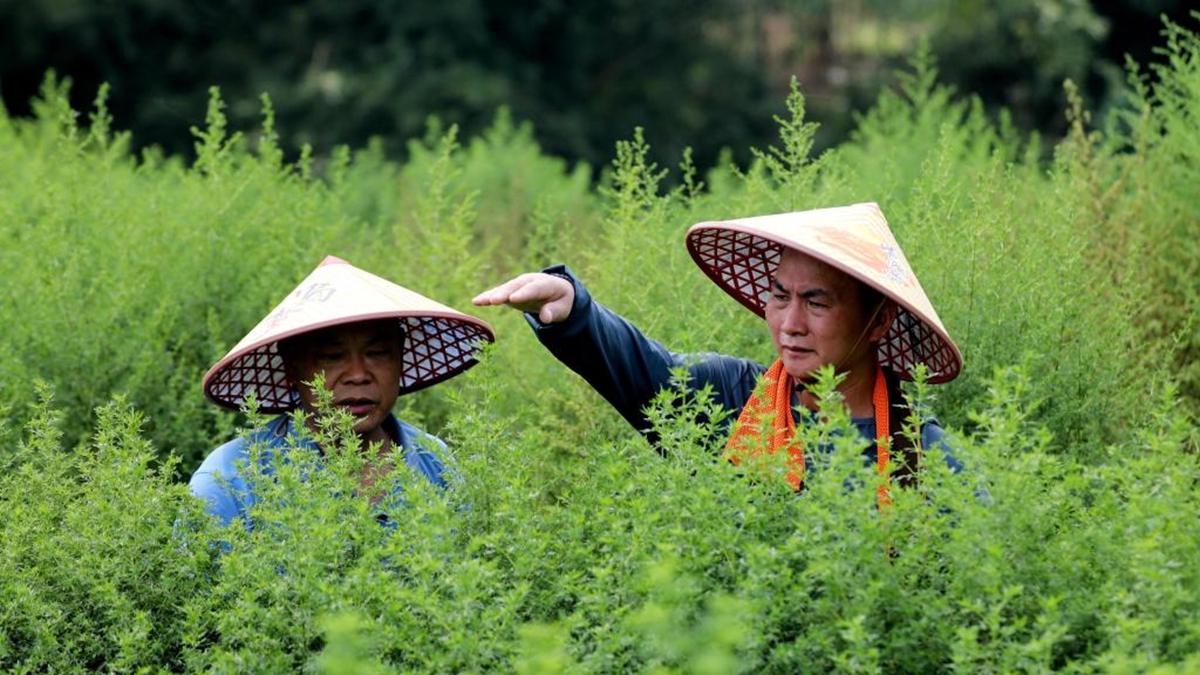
{"type": "Point", "coordinates": [801, 371]}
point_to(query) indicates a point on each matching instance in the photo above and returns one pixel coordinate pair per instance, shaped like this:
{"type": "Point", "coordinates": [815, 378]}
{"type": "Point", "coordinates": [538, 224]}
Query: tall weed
{"type": "Point", "coordinates": [1152, 218]}
{"type": "Point", "coordinates": [629, 562]}
{"type": "Point", "coordinates": [566, 544]}
{"type": "Point", "coordinates": [92, 575]}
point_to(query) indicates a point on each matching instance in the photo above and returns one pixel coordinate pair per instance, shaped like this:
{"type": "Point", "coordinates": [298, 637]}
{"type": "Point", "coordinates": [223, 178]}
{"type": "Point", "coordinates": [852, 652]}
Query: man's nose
{"type": "Point", "coordinates": [356, 368]}
{"type": "Point", "coordinates": [795, 321]}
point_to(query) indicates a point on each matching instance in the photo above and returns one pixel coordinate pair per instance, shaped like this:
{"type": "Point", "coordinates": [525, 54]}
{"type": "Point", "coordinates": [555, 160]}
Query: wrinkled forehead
{"type": "Point", "coordinates": [800, 268]}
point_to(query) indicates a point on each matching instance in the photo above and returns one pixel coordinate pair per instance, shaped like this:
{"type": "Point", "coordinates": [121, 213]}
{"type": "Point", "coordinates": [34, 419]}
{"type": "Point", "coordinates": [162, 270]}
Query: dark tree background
{"type": "Point", "coordinates": [702, 73]}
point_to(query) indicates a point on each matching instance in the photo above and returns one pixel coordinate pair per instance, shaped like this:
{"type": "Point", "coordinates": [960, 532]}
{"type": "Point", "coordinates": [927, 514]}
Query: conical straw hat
{"type": "Point", "coordinates": [742, 256]}
{"type": "Point", "coordinates": [439, 342]}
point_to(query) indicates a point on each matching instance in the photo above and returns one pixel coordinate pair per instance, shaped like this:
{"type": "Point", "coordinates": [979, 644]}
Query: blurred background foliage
{"type": "Point", "coordinates": [702, 73]}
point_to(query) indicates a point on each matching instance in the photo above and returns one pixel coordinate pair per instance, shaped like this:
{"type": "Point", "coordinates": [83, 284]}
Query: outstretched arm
{"type": "Point", "coordinates": [611, 354]}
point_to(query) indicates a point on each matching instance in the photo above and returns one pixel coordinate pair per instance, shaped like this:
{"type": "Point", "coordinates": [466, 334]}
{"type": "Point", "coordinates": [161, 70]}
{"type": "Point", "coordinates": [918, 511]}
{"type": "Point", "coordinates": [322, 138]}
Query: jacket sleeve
{"type": "Point", "coordinates": [627, 368]}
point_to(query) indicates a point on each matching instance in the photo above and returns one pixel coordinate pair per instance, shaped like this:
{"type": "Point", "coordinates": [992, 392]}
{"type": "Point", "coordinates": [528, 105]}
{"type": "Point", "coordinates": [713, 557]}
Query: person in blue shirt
{"type": "Point", "coordinates": [834, 289]}
{"type": "Point", "coordinates": [370, 341]}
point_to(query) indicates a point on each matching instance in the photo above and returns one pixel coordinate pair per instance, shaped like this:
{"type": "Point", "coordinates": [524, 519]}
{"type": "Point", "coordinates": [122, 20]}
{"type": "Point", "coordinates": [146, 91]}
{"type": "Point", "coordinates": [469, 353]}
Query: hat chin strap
{"type": "Point", "coordinates": [870, 322]}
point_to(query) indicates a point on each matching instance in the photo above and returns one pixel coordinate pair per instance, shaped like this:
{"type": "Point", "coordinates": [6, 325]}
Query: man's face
{"type": "Point", "coordinates": [816, 316]}
{"type": "Point", "coordinates": [361, 363]}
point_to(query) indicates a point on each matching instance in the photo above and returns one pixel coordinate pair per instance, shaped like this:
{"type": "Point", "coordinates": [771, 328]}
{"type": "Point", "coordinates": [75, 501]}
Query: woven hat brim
{"type": "Point", "coordinates": [436, 348]}
{"type": "Point", "coordinates": [742, 260]}
{"type": "Point", "coordinates": [439, 342]}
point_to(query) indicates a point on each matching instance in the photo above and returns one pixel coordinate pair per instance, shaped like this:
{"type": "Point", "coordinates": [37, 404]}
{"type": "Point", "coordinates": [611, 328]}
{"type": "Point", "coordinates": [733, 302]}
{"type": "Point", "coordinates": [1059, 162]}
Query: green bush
{"type": "Point", "coordinates": [1071, 544]}
{"type": "Point", "coordinates": [630, 562]}
{"type": "Point", "coordinates": [1147, 210]}
{"type": "Point", "coordinates": [92, 575]}
{"type": "Point", "coordinates": [136, 275]}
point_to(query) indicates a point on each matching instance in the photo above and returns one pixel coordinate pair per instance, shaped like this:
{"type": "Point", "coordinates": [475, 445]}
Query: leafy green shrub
{"type": "Point", "coordinates": [1001, 246]}
{"type": "Point", "coordinates": [1145, 207]}
{"type": "Point", "coordinates": [135, 276]}
{"type": "Point", "coordinates": [1071, 543]}
{"type": "Point", "coordinates": [631, 562]}
{"type": "Point", "coordinates": [92, 576]}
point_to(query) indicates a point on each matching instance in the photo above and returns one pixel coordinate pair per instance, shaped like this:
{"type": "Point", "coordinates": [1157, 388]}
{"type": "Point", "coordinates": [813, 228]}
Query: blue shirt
{"type": "Point", "coordinates": [628, 369]}
{"type": "Point", "coordinates": [228, 494]}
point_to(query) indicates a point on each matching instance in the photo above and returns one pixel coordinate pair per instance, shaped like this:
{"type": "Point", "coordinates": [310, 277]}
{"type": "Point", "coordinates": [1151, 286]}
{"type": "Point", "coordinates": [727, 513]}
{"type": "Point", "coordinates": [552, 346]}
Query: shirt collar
{"type": "Point", "coordinates": [281, 429]}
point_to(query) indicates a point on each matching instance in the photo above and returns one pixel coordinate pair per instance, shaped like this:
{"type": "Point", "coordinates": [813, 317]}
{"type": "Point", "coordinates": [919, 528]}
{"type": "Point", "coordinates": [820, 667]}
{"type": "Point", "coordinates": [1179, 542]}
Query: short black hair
{"type": "Point", "coordinates": [871, 298]}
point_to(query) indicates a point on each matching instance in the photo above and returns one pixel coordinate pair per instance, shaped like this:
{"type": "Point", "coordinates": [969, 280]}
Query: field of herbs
{"type": "Point", "coordinates": [1069, 275]}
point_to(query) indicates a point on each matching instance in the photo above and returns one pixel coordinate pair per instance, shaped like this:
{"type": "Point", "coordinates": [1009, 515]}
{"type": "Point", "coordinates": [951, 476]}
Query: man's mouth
{"type": "Point", "coordinates": [358, 407]}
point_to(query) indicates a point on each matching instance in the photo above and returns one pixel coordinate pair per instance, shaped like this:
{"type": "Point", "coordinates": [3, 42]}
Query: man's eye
{"type": "Point", "coordinates": [329, 356]}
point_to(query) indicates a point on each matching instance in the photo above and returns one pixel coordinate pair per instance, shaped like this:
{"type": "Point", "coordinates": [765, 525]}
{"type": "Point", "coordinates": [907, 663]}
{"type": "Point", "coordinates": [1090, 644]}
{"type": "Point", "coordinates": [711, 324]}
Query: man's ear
{"type": "Point", "coordinates": [883, 321]}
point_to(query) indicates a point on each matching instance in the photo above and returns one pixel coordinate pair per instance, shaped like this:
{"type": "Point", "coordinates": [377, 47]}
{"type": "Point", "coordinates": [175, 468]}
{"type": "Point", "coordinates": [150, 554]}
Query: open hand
{"type": "Point", "coordinates": [550, 297]}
